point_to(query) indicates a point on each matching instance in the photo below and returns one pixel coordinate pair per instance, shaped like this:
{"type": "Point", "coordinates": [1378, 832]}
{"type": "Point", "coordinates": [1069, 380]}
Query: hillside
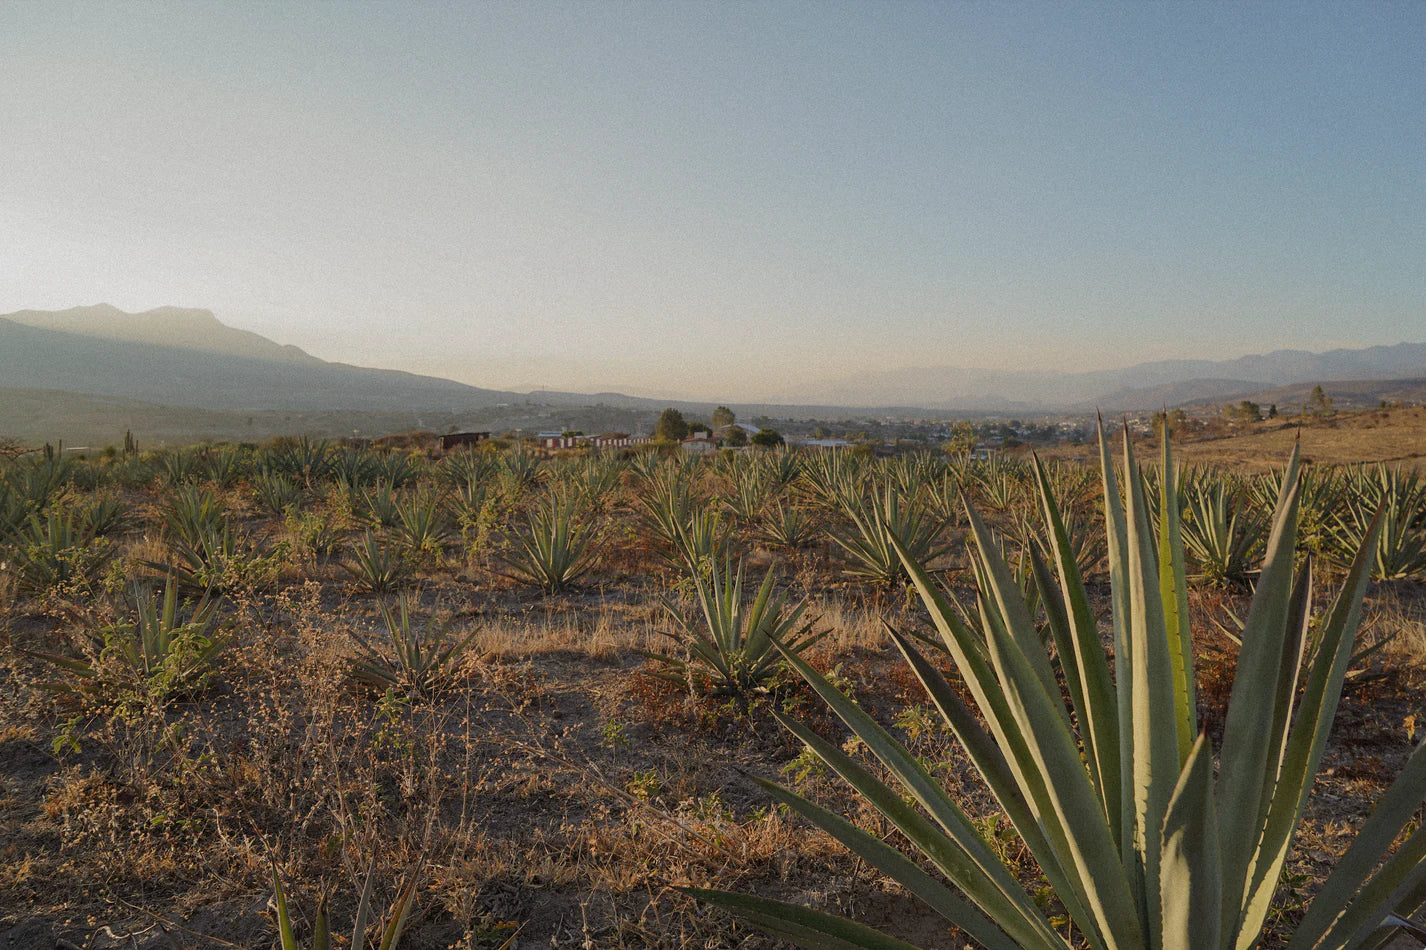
{"type": "Point", "coordinates": [184, 359]}
{"type": "Point", "coordinates": [1140, 386]}
{"type": "Point", "coordinates": [164, 326]}
{"type": "Point", "coordinates": [187, 358]}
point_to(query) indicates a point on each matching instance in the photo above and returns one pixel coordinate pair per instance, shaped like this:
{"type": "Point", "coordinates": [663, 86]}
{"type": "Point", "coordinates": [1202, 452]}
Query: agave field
{"type": "Point", "coordinates": [306, 693]}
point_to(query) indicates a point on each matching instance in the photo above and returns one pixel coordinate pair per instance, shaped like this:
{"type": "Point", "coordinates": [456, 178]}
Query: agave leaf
{"type": "Point", "coordinates": [996, 770]}
{"type": "Point", "coordinates": [1313, 721]}
{"type": "Point", "coordinates": [961, 852]}
{"type": "Point", "coordinates": [1173, 589]}
{"type": "Point", "coordinates": [1117, 539]}
{"type": "Point", "coordinates": [968, 652]}
{"type": "Point", "coordinates": [1081, 655]}
{"type": "Point", "coordinates": [284, 921]}
{"type": "Point", "coordinates": [1009, 601]}
{"type": "Point", "coordinates": [894, 864]}
{"type": "Point", "coordinates": [1155, 721]}
{"type": "Point", "coordinates": [1073, 814]}
{"type": "Point", "coordinates": [1248, 743]}
{"type": "Point", "coordinates": [810, 928]}
{"type": "Point", "coordinates": [1352, 896]}
{"type": "Point", "coordinates": [1191, 890]}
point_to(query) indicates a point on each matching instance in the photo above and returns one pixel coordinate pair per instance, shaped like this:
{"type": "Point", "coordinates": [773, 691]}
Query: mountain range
{"type": "Point", "coordinates": [1138, 387]}
{"type": "Point", "coordinates": [188, 359]}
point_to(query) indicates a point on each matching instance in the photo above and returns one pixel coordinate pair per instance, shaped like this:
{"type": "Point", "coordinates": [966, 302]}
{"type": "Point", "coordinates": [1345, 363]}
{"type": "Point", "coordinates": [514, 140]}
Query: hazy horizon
{"type": "Point", "coordinates": [725, 202]}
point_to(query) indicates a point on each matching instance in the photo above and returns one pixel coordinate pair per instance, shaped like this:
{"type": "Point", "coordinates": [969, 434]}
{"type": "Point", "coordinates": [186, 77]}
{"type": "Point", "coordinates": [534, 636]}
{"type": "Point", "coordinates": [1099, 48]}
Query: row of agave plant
{"type": "Point", "coordinates": [1106, 778]}
{"type": "Point", "coordinates": [1150, 838]}
{"type": "Point", "coordinates": [386, 512]}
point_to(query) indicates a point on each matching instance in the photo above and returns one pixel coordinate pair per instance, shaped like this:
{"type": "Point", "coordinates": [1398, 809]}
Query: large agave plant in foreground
{"type": "Point", "coordinates": [1113, 788]}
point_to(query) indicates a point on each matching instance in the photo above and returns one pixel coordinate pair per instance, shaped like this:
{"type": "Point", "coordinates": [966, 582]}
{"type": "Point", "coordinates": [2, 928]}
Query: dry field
{"type": "Point", "coordinates": [1388, 436]}
{"type": "Point", "coordinates": [541, 786]}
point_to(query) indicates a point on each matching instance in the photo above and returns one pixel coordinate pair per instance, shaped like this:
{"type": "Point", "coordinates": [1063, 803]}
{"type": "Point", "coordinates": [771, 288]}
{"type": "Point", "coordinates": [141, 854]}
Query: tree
{"type": "Point", "coordinates": [1174, 418]}
{"type": "Point", "coordinates": [1319, 403]}
{"type": "Point", "coordinates": [723, 416]}
{"type": "Point", "coordinates": [961, 441]}
{"type": "Point", "coordinates": [670, 427]}
{"type": "Point", "coordinates": [768, 438]}
{"type": "Point", "coordinates": [1244, 411]}
{"type": "Point", "coordinates": [737, 436]}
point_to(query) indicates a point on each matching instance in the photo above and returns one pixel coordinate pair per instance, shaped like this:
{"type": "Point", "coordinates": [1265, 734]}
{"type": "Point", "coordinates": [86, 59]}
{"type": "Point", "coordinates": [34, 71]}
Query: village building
{"type": "Point", "coordinates": [457, 440]}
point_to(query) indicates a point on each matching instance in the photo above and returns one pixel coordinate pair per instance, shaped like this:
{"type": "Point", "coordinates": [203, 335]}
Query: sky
{"type": "Point", "coordinates": [724, 200]}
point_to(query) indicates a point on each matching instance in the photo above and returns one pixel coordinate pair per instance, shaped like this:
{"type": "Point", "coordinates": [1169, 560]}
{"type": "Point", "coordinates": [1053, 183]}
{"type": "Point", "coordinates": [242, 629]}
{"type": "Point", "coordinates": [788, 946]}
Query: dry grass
{"type": "Point", "coordinates": [549, 789]}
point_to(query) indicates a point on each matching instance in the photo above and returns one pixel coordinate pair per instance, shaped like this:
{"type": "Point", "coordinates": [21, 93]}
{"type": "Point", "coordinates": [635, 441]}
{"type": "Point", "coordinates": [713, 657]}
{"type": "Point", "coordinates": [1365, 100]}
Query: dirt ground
{"type": "Point", "coordinates": [1392, 436]}
{"type": "Point", "coordinates": [547, 791]}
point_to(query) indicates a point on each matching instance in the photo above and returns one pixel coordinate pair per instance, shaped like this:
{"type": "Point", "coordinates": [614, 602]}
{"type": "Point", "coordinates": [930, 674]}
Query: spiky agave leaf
{"type": "Point", "coordinates": [1143, 847]}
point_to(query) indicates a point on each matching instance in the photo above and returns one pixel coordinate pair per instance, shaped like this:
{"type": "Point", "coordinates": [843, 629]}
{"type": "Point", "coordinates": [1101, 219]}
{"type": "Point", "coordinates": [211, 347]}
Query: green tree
{"type": "Point", "coordinates": [1319, 403]}
{"type": "Point", "coordinates": [723, 416]}
{"type": "Point", "coordinates": [1245, 411]}
{"type": "Point", "coordinates": [962, 439]}
{"type": "Point", "coordinates": [670, 427]}
{"type": "Point", "coordinates": [768, 438]}
{"type": "Point", "coordinates": [737, 436]}
{"type": "Point", "coordinates": [1174, 418]}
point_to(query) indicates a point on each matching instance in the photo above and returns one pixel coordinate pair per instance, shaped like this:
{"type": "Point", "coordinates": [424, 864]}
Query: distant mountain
{"type": "Point", "coordinates": [1141, 386]}
{"type": "Point", "coordinates": [188, 358]}
{"type": "Point", "coordinates": [164, 326]}
{"type": "Point", "coordinates": [1345, 394]}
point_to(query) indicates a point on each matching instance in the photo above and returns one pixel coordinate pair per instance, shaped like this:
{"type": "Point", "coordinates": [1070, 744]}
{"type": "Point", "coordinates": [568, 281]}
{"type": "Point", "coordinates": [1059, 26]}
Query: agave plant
{"type": "Point", "coordinates": [398, 468]}
{"type": "Point", "coordinates": [559, 546]}
{"type": "Point", "coordinates": [1400, 497]}
{"type": "Point", "coordinates": [193, 514]}
{"type": "Point", "coordinates": [180, 466]}
{"type": "Point", "coordinates": [133, 471]}
{"type": "Point", "coordinates": [668, 504]}
{"type": "Point", "coordinates": [28, 488]}
{"type": "Point", "coordinates": [1221, 532]}
{"type": "Point", "coordinates": [700, 541]}
{"type": "Point", "coordinates": [422, 524]}
{"type": "Point", "coordinates": [354, 467]}
{"type": "Point", "coordinates": [221, 559]}
{"type": "Point", "coordinates": [102, 516]}
{"type": "Point", "coordinates": [1000, 483]}
{"type": "Point", "coordinates": [730, 644]}
{"type": "Point", "coordinates": [788, 526]}
{"type": "Point", "coordinates": [522, 469]}
{"type": "Point", "coordinates": [868, 548]}
{"type": "Point", "coordinates": [159, 650]}
{"type": "Point", "coordinates": [55, 552]}
{"type": "Point", "coordinates": [1321, 490]}
{"type": "Point", "coordinates": [223, 465]}
{"type": "Point", "coordinates": [752, 490]}
{"type": "Point", "coordinates": [378, 565]}
{"type": "Point", "coordinates": [309, 461]}
{"type": "Point", "coordinates": [910, 473]}
{"type": "Point", "coordinates": [389, 933]}
{"type": "Point", "coordinates": [833, 480]}
{"type": "Point", "coordinates": [418, 662]}
{"type": "Point", "coordinates": [783, 466]}
{"type": "Point", "coordinates": [467, 467]}
{"type": "Point", "coordinates": [380, 505]}
{"type": "Point", "coordinates": [1142, 845]}
{"type": "Point", "coordinates": [276, 492]}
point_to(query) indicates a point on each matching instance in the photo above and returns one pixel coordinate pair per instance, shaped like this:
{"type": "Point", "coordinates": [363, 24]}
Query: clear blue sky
{"type": "Point", "coordinates": [725, 200]}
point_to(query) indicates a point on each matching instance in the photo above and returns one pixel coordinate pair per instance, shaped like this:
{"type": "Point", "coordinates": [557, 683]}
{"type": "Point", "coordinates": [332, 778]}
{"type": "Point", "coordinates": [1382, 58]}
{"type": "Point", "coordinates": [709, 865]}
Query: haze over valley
{"type": "Point", "coordinates": [92, 372]}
